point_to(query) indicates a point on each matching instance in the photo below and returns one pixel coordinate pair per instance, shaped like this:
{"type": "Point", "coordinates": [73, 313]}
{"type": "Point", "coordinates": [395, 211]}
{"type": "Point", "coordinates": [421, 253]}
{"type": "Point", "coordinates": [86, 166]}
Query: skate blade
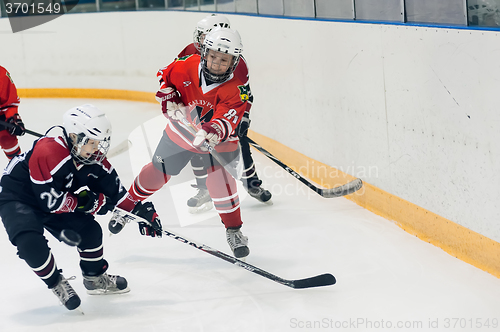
{"type": "Point", "coordinates": [202, 208]}
{"type": "Point", "coordinates": [107, 292]}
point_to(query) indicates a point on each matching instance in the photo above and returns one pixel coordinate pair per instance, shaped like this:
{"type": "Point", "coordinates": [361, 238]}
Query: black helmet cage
{"type": "Point", "coordinates": [96, 157]}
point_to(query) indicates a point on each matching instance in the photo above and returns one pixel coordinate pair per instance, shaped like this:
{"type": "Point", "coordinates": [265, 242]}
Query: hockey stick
{"type": "Point", "coordinates": [343, 190]}
{"type": "Point", "coordinates": [10, 125]}
{"type": "Point", "coordinates": [316, 281]}
{"type": "Point", "coordinates": [231, 170]}
{"type": "Point", "coordinates": [119, 149]}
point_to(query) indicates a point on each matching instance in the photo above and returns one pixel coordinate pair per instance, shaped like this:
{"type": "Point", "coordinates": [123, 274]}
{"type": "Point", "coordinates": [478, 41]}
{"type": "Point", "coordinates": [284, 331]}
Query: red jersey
{"type": "Point", "coordinates": [9, 100]}
{"type": "Point", "coordinates": [188, 50]}
{"type": "Point", "coordinates": [221, 103]}
{"type": "Point", "coordinates": [240, 72]}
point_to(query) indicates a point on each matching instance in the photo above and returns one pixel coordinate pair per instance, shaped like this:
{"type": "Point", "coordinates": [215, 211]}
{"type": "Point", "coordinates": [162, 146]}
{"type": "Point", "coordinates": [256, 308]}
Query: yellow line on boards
{"type": "Point", "coordinates": [88, 93]}
{"type": "Point", "coordinates": [456, 240]}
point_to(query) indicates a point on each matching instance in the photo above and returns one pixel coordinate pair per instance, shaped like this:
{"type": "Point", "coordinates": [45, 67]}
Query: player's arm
{"type": "Point", "coordinates": [227, 116]}
{"type": "Point", "coordinates": [167, 95]}
{"type": "Point", "coordinates": [9, 102]}
{"type": "Point", "coordinates": [110, 186]}
{"type": "Point", "coordinates": [245, 120]}
{"type": "Point", "coordinates": [47, 175]}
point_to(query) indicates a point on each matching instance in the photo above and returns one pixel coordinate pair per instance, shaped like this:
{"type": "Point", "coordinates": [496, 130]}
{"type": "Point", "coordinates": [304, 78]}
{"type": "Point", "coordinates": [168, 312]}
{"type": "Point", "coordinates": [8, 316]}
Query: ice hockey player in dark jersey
{"type": "Point", "coordinates": [215, 102]}
{"type": "Point", "coordinates": [202, 201]}
{"type": "Point", "coordinates": [42, 189]}
{"type": "Point", "coordinates": [9, 103]}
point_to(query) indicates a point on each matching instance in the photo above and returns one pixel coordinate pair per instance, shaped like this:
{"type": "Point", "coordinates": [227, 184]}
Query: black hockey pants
{"type": "Point", "coordinates": [25, 227]}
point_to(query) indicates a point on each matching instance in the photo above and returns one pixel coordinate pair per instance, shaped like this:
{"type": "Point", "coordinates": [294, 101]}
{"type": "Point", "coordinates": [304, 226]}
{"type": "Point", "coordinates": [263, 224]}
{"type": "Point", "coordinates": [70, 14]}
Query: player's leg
{"type": "Point", "coordinates": [24, 227]}
{"type": "Point", "coordinates": [223, 190]}
{"type": "Point", "coordinates": [168, 160]}
{"type": "Point", "coordinates": [250, 179]}
{"type": "Point", "coordinates": [92, 263]}
{"type": "Point", "coordinates": [201, 201]}
{"type": "Point", "coordinates": [9, 144]}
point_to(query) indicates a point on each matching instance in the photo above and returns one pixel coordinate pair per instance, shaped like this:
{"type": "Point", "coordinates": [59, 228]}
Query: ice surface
{"type": "Point", "coordinates": [386, 278]}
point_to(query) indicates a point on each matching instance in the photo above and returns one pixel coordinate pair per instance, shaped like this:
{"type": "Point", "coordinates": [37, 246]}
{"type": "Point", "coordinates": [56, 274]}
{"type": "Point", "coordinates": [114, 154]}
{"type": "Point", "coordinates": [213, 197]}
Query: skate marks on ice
{"type": "Point", "coordinates": [382, 271]}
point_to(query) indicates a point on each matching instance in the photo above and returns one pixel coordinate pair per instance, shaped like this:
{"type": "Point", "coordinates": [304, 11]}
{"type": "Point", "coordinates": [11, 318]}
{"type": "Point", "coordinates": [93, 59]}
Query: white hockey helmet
{"type": "Point", "coordinates": [87, 122]}
{"type": "Point", "coordinates": [221, 40]}
{"type": "Point", "coordinates": [206, 25]}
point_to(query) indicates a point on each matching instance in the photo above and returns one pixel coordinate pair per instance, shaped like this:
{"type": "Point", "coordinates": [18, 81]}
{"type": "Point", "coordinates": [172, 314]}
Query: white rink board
{"type": "Point", "coordinates": [411, 110]}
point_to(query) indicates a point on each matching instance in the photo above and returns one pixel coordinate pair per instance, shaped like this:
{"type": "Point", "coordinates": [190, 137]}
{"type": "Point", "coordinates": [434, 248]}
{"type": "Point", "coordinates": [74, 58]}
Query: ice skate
{"type": "Point", "coordinates": [260, 194]}
{"type": "Point", "coordinates": [117, 222]}
{"type": "Point", "coordinates": [237, 242]}
{"type": "Point", "coordinates": [105, 284]}
{"type": "Point", "coordinates": [200, 202]}
{"type": "Point", "coordinates": [66, 293]}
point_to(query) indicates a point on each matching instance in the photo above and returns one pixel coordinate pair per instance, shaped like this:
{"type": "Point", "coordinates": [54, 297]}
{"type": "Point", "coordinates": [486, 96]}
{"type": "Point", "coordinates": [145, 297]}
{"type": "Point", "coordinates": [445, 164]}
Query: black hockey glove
{"type": "Point", "coordinates": [148, 212]}
{"type": "Point", "coordinates": [244, 125]}
{"type": "Point", "coordinates": [17, 128]}
{"type": "Point", "coordinates": [90, 202]}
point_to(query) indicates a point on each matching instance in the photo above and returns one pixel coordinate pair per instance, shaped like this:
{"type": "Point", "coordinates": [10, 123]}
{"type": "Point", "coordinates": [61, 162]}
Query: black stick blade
{"type": "Point", "coordinates": [343, 190]}
{"type": "Point", "coordinates": [317, 281]}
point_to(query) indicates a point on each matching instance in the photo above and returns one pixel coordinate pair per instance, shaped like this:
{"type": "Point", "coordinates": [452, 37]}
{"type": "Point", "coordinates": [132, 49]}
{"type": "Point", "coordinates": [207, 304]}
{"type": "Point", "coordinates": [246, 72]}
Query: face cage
{"type": "Point", "coordinates": [96, 157]}
{"type": "Point", "coordinates": [214, 77]}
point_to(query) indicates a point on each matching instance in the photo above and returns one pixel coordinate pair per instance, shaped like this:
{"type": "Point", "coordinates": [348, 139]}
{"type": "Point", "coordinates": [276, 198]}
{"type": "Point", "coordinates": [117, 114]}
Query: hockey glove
{"type": "Point", "coordinates": [90, 202]}
{"type": "Point", "coordinates": [148, 212]}
{"type": "Point", "coordinates": [210, 132]}
{"type": "Point", "coordinates": [170, 102]}
{"type": "Point", "coordinates": [17, 128]}
{"type": "Point", "coordinates": [244, 125]}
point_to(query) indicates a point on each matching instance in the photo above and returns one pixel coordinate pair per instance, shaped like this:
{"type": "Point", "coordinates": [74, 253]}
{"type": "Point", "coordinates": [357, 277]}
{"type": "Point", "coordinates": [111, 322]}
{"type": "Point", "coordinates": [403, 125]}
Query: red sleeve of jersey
{"type": "Point", "coordinates": [230, 104]}
{"type": "Point", "coordinates": [9, 100]}
{"type": "Point", "coordinates": [241, 71]}
{"type": "Point", "coordinates": [46, 161]}
{"type": "Point", "coordinates": [163, 75]}
{"type": "Point", "coordinates": [188, 50]}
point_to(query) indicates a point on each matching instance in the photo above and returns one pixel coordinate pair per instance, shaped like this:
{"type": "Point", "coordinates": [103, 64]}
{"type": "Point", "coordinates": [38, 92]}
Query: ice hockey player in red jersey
{"type": "Point", "coordinates": [9, 102]}
{"type": "Point", "coordinates": [202, 201]}
{"type": "Point", "coordinates": [215, 102]}
{"type": "Point", "coordinates": [59, 185]}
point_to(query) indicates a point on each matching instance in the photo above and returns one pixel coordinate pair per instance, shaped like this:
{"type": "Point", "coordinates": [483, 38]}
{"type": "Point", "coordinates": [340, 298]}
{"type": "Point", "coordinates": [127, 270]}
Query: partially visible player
{"type": "Point", "coordinates": [9, 102]}
{"type": "Point", "coordinates": [216, 104]}
{"type": "Point", "coordinates": [59, 185]}
{"type": "Point", "coordinates": [202, 201]}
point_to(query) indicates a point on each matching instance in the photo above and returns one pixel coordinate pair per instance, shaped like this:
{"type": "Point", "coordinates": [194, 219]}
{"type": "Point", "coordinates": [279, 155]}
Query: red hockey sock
{"type": "Point", "coordinates": [148, 182]}
{"type": "Point", "coordinates": [9, 144]}
{"type": "Point", "coordinates": [222, 188]}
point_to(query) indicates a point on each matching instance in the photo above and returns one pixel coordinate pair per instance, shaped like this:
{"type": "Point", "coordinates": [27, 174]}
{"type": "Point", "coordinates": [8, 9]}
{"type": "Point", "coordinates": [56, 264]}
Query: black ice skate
{"type": "Point", "coordinates": [237, 242]}
{"type": "Point", "coordinates": [66, 293]}
{"type": "Point", "coordinates": [260, 194]}
{"type": "Point", "coordinates": [200, 202]}
{"type": "Point", "coordinates": [117, 222]}
{"type": "Point", "coordinates": [105, 284]}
